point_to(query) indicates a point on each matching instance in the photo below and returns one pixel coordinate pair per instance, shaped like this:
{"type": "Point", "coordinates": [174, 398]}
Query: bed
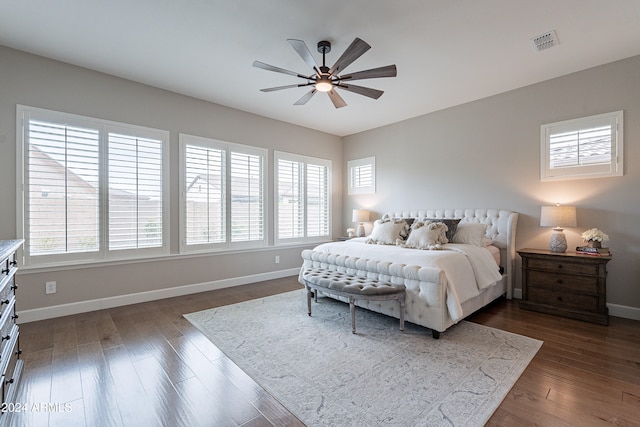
{"type": "Point", "coordinates": [444, 284]}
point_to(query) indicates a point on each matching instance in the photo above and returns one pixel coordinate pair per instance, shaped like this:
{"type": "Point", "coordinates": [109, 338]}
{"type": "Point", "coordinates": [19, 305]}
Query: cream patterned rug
{"type": "Point", "coordinates": [328, 376]}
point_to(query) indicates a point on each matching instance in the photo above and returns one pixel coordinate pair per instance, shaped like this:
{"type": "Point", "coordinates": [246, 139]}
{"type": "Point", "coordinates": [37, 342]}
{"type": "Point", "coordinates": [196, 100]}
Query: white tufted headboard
{"type": "Point", "coordinates": [501, 229]}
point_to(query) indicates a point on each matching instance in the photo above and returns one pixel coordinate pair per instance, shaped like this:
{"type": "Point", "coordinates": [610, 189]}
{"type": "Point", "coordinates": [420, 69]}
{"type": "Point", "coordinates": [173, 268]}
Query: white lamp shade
{"type": "Point", "coordinates": [360, 215]}
{"type": "Point", "coordinates": [558, 216]}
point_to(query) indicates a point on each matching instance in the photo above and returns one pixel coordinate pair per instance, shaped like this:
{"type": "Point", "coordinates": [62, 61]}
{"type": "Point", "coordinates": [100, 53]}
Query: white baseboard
{"type": "Point", "coordinates": [627, 312]}
{"type": "Point", "coordinates": [615, 310]}
{"type": "Point", "coordinates": [120, 300]}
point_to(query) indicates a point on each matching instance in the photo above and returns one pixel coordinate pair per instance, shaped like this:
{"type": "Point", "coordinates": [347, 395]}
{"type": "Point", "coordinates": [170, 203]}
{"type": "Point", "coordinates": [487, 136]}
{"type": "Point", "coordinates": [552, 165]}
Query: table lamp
{"type": "Point", "coordinates": [558, 217]}
{"type": "Point", "coordinates": [360, 216]}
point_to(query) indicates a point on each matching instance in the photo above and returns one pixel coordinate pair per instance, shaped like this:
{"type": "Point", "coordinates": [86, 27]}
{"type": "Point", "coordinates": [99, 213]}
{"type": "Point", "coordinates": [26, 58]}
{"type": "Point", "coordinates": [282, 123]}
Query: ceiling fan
{"type": "Point", "coordinates": [325, 79]}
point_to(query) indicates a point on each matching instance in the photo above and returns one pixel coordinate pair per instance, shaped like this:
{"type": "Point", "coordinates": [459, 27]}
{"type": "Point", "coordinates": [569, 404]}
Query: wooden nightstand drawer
{"type": "Point", "coordinates": [562, 299]}
{"type": "Point", "coordinates": [563, 266]}
{"type": "Point", "coordinates": [548, 281]}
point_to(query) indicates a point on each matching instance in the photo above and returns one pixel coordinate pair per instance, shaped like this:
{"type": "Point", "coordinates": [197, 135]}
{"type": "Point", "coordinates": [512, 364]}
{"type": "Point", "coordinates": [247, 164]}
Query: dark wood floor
{"type": "Point", "coordinates": [145, 365]}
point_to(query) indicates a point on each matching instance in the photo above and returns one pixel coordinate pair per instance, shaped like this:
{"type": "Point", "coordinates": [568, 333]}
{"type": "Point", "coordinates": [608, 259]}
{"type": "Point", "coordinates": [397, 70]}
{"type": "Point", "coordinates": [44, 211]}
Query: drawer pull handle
{"type": "Point", "coordinates": [4, 302]}
{"type": "Point", "coordinates": [9, 381]}
{"type": "Point", "coordinates": [6, 338]}
{"type": "Point", "coordinates": [560, 266]}
{"type": "Point", "coordinates": [560, 281]}
{"type": "Point", "coordinates": [14, 287]}
{"type": "Point", "coordinates": [5, 271]}
{"type": "Point", "coordinates": [15, 316]}
{"type": "Point", "coordinates": [14, 263]}
{"type": "Point", "coordinates": [559, 298]}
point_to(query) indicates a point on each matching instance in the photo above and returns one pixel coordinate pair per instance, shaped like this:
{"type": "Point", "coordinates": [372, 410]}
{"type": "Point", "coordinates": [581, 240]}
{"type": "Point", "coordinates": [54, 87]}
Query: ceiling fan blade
{"type": "Point", "coordinates": [374, 73]}
{"type": "Point", "coordinates": [271, 89]}
{"type": "Point", "coordinates": [353, 52]}
{"type": "Point", "coordinates": [337, 100]}
{"type": "Point", "coordinates": [360, 90]}
{"type": "Point", "coordinates": [268, 67]}
{"type": "Point", "coordinates": [307, 96]}
{"type": "Point", "coordinates": [302, 49]}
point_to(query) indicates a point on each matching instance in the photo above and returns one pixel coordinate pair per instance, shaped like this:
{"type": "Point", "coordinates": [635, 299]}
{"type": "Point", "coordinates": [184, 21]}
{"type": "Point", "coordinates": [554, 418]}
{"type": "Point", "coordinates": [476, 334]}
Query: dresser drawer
{"type": "Point", "coordinates": [550, 281]}
{"type": "Point", "coordinates": [7, 323]}
{"type": "Point", "coordinates": [565, 300]}
{"type": "Point", "coordinates": [10, 363]}
{"type": "Point", "coordinates": [563, 266]}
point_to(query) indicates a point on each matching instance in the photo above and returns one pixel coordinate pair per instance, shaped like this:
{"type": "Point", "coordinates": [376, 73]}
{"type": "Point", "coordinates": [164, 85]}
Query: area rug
{"type": "Point", "coordinates": [380, 376]}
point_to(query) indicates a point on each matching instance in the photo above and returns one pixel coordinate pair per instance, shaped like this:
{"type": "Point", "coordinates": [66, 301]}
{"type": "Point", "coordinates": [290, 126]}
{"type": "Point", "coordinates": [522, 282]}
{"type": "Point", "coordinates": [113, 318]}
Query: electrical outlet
{"type": "Point", "coordinates": [50, 287]}
{"type": "Point", "coordinates": [277, 260]}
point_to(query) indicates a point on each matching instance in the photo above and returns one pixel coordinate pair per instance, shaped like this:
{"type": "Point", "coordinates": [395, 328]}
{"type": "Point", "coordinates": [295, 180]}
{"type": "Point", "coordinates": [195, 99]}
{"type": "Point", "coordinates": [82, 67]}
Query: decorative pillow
{"type": "Point", "coordinates": [452, 225]}
{"type": "Point", "coordinates": [388, 232]}
{"type": "Point", "coordinates": [470, 233]}
{"type": "Point", "coordinates": [427, 236]}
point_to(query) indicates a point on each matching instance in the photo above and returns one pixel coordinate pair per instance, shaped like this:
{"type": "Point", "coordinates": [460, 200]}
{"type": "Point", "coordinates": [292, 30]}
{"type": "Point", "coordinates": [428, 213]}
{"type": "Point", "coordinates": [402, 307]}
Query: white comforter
{"type": "Point", "coordinates": [468, 269]}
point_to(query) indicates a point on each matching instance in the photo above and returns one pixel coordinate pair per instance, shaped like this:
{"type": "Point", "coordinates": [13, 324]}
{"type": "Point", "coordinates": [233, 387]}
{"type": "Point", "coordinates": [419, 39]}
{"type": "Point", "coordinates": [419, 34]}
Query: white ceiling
{"type": "Point", "coordinates": [447, 52]}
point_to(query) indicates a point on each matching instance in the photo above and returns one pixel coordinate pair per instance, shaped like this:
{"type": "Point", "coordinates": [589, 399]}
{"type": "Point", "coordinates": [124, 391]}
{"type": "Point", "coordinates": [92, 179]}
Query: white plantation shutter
{"type": "Point", "coordinates": [135, 192]}
{"type": "Point", "coordinates": [317, 201]}
{"type": "Point", "coordinates": [580, 147]}
{"type": "Point", "coordinates": [290, 200]}
{"type": "Point", "coordinates": [62, 206]}
{"type": "Point", "coordinates": [247, 187]}
{"type": "Point", "coordinates": [362, 175]}
{"type": "Point", "coordinates": [91, 187]}
{"type": "Point", "coordinates": [587, 147]}
{"type": "Point", "coordinates": [302, 198]}
{"type": "Point", "coordinates": [222, 202]}
{"type": "Point", "coordinates": [205, 195]}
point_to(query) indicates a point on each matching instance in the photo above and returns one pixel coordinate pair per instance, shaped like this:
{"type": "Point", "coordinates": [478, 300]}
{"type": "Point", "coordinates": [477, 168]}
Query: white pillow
{"type": "Point", "coordinates": [387, 232]}
{"type": "Point", "coordinates": [427, 236]}
{"type": "Point", "coordinates": [470, 233]}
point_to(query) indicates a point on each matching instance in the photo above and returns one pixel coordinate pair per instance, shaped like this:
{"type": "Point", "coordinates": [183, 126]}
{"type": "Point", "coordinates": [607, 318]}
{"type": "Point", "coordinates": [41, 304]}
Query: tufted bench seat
{"type": "Point", "coordinates": [352, 287]}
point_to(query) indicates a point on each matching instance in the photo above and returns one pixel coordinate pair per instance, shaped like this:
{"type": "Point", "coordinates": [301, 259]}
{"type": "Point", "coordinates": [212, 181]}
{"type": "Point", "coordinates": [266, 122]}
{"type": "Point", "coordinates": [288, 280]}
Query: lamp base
{"type": "Point", "coordinates": [360, 232]}
{"type": "Point", "coordinates": [558, 241]}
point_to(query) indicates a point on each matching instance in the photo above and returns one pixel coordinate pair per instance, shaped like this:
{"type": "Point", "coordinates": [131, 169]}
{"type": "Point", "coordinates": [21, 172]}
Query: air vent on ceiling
{"type": "Point", "coordinates": [545, 41]}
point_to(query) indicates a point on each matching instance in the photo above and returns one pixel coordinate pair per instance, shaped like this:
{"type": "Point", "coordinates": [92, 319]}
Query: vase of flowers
{"type": "Point", "coordinates": [351, 232]}
{"type": "Point", "coordinates": [594, 238]}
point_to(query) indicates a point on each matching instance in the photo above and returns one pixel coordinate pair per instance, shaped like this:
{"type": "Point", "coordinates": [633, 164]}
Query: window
{"type": "Point", "coordinates": [92, 189]}
{"type": "Point", "coordinates": [223, 194]}
{"type": "Point", "coordinates": [302, 198]}
{"type": "Point", "coordinates": [587, 147]}
{"type": "Point", "coordinates": [362, 176]}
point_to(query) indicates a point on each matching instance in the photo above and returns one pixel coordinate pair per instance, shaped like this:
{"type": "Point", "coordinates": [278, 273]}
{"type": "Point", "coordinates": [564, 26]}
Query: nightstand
{"type": "Point", "coordinates": [566, 284]}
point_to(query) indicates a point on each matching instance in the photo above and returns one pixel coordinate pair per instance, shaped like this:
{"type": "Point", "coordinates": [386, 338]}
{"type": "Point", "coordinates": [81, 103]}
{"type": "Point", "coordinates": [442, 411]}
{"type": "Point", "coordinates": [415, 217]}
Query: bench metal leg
{"type": "Point", "coordinates": [309, 300]}
{"type": "Point", "coordinates": [401, 300]}
{"type": "Point", "coordinates": [352, 306]}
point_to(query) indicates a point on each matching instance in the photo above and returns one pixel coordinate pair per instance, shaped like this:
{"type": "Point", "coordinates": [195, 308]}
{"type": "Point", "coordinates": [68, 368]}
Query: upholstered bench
{"type": "Point", "coordinates": [352, 287]}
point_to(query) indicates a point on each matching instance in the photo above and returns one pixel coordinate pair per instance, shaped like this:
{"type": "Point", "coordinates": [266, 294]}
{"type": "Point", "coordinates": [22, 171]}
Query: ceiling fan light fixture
{"type": "Point", "coordinates": [324, 85]}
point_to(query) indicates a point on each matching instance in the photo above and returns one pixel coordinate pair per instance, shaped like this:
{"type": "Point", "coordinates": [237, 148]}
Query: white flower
{"type": "Point", "coordinates": [594, 234]}
{"type": "Point", "coordinates": [351, 230]}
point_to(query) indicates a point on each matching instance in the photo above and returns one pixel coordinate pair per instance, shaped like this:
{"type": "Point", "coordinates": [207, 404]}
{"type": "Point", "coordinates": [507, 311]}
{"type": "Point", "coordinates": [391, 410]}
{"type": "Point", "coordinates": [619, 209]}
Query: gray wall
{"type": "Point", "coordinates": [39, 82]}
{"type": "Point", "coordinates": [486, 154]}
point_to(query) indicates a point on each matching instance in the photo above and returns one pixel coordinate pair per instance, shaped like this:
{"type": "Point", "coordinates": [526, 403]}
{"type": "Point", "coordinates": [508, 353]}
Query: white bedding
{"type": "Point", "coordinates": [468, 269]}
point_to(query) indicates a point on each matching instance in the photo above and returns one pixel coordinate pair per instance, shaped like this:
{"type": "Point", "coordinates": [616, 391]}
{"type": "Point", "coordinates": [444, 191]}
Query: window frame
{"type": "Point", "coordinates": [352, 166]}
{"type": "Point", "coordinates": [105, 127]}
{"type": "Point", "coordinates": [305, 161]}
{"type": "Point", "coordinates": [229, 148]}
{"type": "Point", "coordinates": [615, 165]}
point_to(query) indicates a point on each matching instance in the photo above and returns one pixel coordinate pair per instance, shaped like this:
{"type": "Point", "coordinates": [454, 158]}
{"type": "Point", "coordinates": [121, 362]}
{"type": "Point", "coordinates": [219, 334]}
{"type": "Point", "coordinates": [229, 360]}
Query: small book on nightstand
{"type": "Point", "coordinates": [593, 251]}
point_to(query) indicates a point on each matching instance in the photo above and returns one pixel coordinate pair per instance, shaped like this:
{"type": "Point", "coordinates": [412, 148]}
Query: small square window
{"type": "Point", "coordinates": [588, 147]}
{"type": "Point", "coordinates": [362, 176]}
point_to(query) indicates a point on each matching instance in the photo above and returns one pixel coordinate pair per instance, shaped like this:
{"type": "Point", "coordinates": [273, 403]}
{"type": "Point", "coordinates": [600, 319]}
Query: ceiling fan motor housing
{"type": "Point", "coordinates": [324, 47]}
